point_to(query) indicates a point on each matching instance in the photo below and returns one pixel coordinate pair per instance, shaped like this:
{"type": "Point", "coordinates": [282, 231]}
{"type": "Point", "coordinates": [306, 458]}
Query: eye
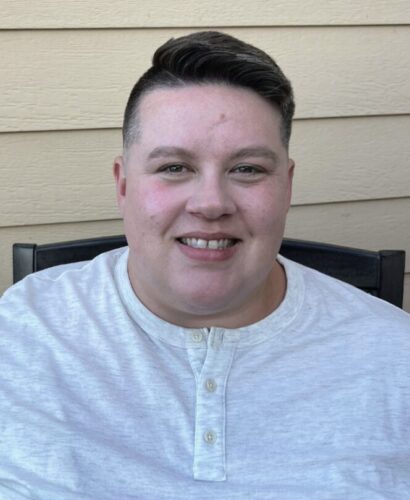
{"type": "Point", "coordinates": [174, 169]}
{"type": "Point", "coordinates": [248, 172]}
{"type": "Point", "coordinates": [247, 169]}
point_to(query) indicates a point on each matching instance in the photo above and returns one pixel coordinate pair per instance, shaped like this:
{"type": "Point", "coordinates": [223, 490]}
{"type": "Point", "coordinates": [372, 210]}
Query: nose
{"type": "Point", "coordinates": [211, 198]}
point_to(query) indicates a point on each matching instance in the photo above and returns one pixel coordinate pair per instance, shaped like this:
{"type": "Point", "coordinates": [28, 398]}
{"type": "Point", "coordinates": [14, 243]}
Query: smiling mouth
{"type": "Point", "coordinates": [220, 244]}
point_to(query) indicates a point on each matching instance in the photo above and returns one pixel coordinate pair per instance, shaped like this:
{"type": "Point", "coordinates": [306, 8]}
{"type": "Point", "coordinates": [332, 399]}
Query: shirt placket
{"type": "Point", "coordinates": [211, 354]}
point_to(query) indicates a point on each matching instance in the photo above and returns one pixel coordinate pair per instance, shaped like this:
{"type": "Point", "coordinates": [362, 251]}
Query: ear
{"type": "Point", "coordinates": [291, 170]}
{"type": "Point", "coordinates": [120, 182]}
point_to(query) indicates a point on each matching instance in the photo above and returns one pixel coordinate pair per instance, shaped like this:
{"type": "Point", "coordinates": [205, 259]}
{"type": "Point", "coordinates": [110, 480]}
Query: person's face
{"type": "Point", "coordinates": [204, 194]}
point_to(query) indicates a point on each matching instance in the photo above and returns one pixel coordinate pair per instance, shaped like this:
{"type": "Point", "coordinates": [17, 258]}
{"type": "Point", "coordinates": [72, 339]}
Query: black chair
{"type": "Point", "coordinates": [379, 273]}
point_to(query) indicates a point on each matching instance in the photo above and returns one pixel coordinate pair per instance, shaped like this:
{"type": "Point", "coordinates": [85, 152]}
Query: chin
{"type": "Point", "coordinates": [207, 303]}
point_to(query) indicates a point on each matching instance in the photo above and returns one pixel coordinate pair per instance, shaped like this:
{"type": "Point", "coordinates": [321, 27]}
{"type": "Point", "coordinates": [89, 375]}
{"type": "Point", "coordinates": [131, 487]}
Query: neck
{"type": "Point", "coordinates": [262, 303]}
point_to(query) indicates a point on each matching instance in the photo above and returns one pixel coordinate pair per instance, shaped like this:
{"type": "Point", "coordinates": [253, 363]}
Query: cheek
{"type": "Point", "coordinates": [265, 210]}
{"type": "Point", "coordinates": [154, 199]}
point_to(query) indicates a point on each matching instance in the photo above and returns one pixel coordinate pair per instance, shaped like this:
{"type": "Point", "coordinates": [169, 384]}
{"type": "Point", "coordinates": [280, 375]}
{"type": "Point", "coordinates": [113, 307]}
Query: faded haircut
{"type": "Point", "coordinates": [211, 57]}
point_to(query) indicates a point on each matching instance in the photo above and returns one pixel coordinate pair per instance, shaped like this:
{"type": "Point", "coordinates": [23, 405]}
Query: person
{"type": "Point", "coordinates": [197, 363]}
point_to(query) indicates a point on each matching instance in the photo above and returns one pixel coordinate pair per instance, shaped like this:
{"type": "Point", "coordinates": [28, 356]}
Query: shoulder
{"type": "Point", "coordinates": [56, 290]}
{"type": "Point", "coordinates": [59, 314]}
{"type": "Point", "coordinates": [350, 330]}
{"type": "Point", "coordinates": [329, 300]}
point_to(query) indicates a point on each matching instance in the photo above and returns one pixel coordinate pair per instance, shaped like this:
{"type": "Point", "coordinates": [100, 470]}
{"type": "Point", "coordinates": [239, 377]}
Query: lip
{"type": "Point", "coordinates": [206, 254]}
{"type": "Point", "coordinates": [209, 236]}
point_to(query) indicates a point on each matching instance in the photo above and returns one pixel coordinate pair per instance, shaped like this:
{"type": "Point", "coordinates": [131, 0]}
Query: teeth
{"type": "Point", "coordinates": [211, 244]}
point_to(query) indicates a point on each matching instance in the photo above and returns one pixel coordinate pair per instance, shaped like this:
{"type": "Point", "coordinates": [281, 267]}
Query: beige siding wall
{"type": "Point", "coordinates": [67, 68]}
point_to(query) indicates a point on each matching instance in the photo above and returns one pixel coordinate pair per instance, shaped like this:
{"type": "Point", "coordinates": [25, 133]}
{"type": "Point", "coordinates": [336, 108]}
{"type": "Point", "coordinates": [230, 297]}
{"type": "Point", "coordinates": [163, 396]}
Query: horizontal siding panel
{"type": "Point", "coordinates": [57, 177]}
{"type": "Point", "coordinates": [53, 177]}
{"type": "Point", "coordinates": [17, 14]}
{"type": "Point", "coordinates": [68, 79]}
{"type": "Point", "coordinates": [351, 159]}
{"type": "Point", "coordinates": [63, 232]}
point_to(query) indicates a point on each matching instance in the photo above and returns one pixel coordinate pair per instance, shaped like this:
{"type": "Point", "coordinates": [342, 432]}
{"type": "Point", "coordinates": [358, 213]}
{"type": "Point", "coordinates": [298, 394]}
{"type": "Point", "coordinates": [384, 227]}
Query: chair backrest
{"type": "Point", "coordinates": [379, 273]}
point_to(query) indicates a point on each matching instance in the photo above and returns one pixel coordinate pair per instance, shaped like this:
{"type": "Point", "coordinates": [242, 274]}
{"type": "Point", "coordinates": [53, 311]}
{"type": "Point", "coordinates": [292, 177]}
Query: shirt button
{"type": "Point", "coordinates": [210, 385]}
{"type": "Point", "coordinates": [197, 337]}
{"type": "Point", "coordinates": [209, 437]}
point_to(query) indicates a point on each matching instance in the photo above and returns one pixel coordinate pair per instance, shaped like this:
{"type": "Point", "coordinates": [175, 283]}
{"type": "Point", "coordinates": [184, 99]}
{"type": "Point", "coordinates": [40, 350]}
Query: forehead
{"type": "Point", "coordinates": [200, 113]}
{"type": "Point", "coordinates": [204, 95]}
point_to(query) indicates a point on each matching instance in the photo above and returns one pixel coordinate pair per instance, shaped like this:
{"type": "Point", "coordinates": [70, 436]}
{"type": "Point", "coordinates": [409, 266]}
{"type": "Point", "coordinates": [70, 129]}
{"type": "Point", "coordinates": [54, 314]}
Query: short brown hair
{"type": "Point", "coordinates": [212, 57]}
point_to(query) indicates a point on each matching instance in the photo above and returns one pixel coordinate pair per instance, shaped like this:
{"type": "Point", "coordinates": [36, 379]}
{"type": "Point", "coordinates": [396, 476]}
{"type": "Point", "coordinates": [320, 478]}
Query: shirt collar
{"type": "Point", "coordinates": [267, 328]}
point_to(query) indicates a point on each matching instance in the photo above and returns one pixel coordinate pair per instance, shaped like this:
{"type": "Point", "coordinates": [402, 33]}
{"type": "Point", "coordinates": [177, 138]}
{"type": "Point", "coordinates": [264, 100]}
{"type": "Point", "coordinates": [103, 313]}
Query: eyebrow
{"type": "Point", "coordinates": [241, 154]}
{"type": "Point", "coordinates": [167, 151]}
{"type": "Point", "coordinates": [257, 151]}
